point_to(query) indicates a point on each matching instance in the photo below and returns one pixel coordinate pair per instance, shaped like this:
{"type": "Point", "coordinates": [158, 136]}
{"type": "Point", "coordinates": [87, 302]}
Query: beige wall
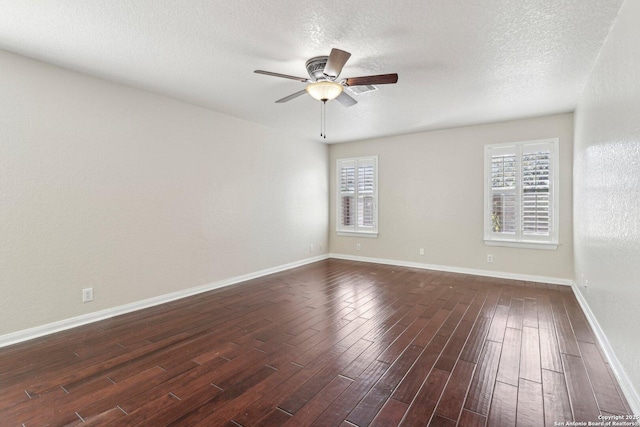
{"type": "Point", "coordinates": [607, 194]}
{"type": "Point", "coordinates": [137, 195]}
{"type": "Point", "coordinates": [431, 197]}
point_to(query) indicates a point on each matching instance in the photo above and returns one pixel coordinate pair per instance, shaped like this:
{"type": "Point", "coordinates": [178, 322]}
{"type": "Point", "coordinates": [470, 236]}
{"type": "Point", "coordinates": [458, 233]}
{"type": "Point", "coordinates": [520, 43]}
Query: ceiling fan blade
{"type": "Point", "coordinates": [380, 79]}
{"type": "Point", "coordinates": [284, 76]}
{"type": "Point", "coordinates": [346, 100]}
{"type": "Point", "coordinates": [292, 96]}
{"type": "Point", "coordinates": [337, 59]}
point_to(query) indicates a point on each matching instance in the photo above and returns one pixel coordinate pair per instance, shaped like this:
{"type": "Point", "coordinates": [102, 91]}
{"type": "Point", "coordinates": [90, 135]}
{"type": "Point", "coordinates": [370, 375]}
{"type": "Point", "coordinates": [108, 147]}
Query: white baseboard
{"type": "Point", "coordinates": [450, 269]}
{"type": "Point", "coordinates": [633, 398]}
{"type": "Point", "coordinates": [39, 331]}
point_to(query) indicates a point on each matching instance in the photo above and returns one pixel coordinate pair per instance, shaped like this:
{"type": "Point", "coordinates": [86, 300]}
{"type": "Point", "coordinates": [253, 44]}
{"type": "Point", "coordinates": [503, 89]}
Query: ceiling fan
{"type": "Point", "coordinates": [322, 82]}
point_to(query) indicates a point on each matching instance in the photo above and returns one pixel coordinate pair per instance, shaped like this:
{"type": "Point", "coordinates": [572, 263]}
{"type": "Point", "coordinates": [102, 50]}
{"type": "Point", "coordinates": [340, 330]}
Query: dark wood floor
{"type": "Point", "coordinates": [334, 343]}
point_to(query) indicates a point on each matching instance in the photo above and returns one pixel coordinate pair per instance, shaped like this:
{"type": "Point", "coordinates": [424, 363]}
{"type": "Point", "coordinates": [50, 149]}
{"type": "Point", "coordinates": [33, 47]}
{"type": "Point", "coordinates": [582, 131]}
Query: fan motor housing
{"type": "Point", "coordinates": [315, 67]}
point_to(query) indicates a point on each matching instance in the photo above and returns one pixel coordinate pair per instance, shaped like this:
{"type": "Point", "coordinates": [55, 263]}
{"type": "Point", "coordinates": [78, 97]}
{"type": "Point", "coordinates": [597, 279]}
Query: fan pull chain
{"type": "Point", "coordinates": [321, 121]}
{"type": "Point", "coordinates": [323, 129]}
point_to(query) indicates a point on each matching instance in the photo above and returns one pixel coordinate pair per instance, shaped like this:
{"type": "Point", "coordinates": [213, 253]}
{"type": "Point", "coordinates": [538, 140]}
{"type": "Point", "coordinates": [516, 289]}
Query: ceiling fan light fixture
{"type": "Point", "coordinates": [324, 90]}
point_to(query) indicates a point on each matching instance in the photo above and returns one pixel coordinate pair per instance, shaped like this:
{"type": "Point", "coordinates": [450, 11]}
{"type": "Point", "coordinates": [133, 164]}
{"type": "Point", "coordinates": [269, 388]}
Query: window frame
{"type": "Point", "coordinates": [520, 239]}
{"type": "Point", "coordinates": [356, 229]}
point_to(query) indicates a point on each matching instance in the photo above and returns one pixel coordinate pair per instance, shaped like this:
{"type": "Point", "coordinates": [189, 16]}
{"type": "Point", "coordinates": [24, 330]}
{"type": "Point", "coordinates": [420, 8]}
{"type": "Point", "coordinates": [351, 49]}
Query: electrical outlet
{"type": "Point", "coordinates": [87, 294]}
{"type": "Point", "coordinates": [489, 258]}
{"type": "Point", "coordinates": [358, 247]}
{"type": "Point", "coordinates": [310, 248]}
{"type": "Point", "coordinates": [421, 251]}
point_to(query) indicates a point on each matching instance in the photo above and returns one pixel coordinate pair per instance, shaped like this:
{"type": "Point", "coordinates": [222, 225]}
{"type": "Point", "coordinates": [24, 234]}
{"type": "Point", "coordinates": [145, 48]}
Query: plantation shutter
{"type": "Point", "coordinates": [357, 195]}
{"type": "Point", "coordinates": [504, 181]}
{"type": "Point", "coordinates": [536, 190]}
{"type": "Point", "coordinates": [347, 191]}
{"type": "Point", "coordinates": [366, 188]}
{"type": "Point", "coordinates": [519, 192]}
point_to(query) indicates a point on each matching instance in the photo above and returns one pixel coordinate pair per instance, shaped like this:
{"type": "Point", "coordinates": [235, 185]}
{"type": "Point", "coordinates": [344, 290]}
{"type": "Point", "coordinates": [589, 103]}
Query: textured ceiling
{"type": "Point", "coordinates": [459, 62]}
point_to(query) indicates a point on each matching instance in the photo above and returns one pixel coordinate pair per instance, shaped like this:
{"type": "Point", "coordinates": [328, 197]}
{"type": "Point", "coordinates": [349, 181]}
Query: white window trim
{"type": "Point", "coordinates": [550, 243]}
{"type": "Point", "coordinates": [368, 233]}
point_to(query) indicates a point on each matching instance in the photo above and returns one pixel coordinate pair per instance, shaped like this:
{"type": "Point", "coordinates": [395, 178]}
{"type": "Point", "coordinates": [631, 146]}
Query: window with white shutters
{"type": "Point", "coordinates": [521, 194]}
{"type": "Point", "coordinates": [357, 182]}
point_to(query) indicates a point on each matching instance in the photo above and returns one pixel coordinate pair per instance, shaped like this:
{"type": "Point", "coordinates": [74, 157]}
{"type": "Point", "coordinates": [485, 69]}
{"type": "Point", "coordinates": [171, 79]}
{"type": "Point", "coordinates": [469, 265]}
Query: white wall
{"type": "Point", "coordinates": [607, 191]}
{"type": "Point", "coordinates": [137, 195]}
{"type": "Point", "coordinates": [431, 197]}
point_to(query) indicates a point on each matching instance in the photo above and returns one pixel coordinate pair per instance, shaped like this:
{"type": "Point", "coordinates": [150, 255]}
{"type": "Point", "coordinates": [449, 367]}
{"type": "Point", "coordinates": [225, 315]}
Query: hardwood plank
{"type": "Point", "coordinates": [240, 404]}
{"type": "Point", "coordinates": [361, 362]}
{"type": "Point", "coordinates": [498, 324]}
{"type": "Point", "coordinates": [475, 341]}
{"type": "Point", "coordinates": [162, 404]}
{"type": "Point", "coordinates": [479, 297]}
{"type": "Point", "coordinates": [471, 419]}
{"type": "Point", "coordinates": [344, 404]}
{"type": "Point", "coordinates": [579, 322]}
{"type": "Point", "coordinates": [411, 383]}
{"type": "Point", "coordinates": [530, 313]}
{"type": "Point", "coordinates": [530, 410]}
{"type": "Point", "coordinates": [110, 416]}
{"type": "Point", "coordinates": [431, 329]}
{"type": "Point", "coordinates": [603, 385]}
{"type": "Point", "coordinates": [557, 408]}
{"type": "Point", "coordinates": [275, 392]}
{"type": "Point", "coordinates": [567, 343]}
{"type": "Point", "coordinates": [549, 350]}
{"type": "Point", "coordinates": [620, 393]}
{"type": "Point", "coordinates": [503, 405]}
{"type": "Point", "coordinates": [422, 407]}
{"type": "Point", "coordinates": [505, 296]}
{"type": "Point", "coordinates": [172, 382]}
{"type": "Point", "coordinates": [199, 412]}
{"type": "Point", "coordinates": [481, 389]}
{"type": "Point", "coordinates": [530, 355]}
{"type": "Point", "coordinates": [433, 307]}
{"type": "Point", "coordinates": [545, 312]}
{"type": "Point", "coordinates": [369, 406]}
{"type": "Point", "coordinates": [172, 407]}
{"type": "Point", "coordinates": [450, 404]}
{"type": "Point", "coordinates": [276, 417]}
{"type": "Point", "coordinates": [453, 320]}
{"type": "Point", "coordinates": [440, 421]}
{"type": "Point", "coordinates": [516, 310]}
{"type": "Point", "coordinates": [392, 352]}
{"type": "Point", "coordinates": [391, 414]}
{"type": "Point", "coordinates": [452, 350]}
{"type": "Point", "coordinates": [489, 306]}
{"type": "Point", "coordinates": [319, 403]}
{"type": "Point", "coordinates": [583, 401]}
{"type": "Point", "coordinates": [306, 391]}
{"type": "Point", "coordinates": [509, 367]}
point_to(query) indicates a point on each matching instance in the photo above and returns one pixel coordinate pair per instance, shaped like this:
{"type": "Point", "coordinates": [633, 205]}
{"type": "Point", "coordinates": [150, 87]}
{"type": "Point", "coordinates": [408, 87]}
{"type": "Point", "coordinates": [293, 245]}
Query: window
{"type": "Point", "coordinates": [521, 194]}
{"type": "Point", "coordinates": [357, 204]}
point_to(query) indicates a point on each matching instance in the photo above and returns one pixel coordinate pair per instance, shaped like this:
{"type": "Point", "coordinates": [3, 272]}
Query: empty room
{"type": "Point", "coordinates": [366, 213]}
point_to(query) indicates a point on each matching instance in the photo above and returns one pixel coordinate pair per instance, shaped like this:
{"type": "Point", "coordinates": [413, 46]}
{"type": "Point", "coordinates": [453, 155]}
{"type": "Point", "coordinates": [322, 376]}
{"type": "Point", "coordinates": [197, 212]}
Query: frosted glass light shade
{"type": "Point", "coordinates": [324, 90]}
